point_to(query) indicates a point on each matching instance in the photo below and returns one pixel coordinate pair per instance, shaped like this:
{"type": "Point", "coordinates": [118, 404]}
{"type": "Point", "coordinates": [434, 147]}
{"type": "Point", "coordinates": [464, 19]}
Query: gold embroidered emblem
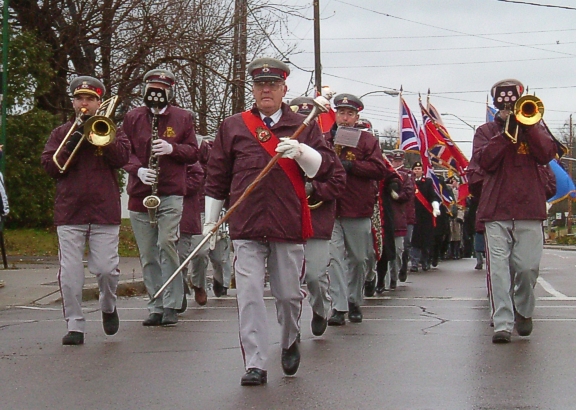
{"type": "Point", "coordinates": [350, 156]}
{"type": "Point", "coordinates": [523, 148]}
{"type": "Point", "coordinates": [262, 134]}
{"type": "Point", "coordinates": [169, 133]}
{"type": "Point", "coordinates": [338, 149]}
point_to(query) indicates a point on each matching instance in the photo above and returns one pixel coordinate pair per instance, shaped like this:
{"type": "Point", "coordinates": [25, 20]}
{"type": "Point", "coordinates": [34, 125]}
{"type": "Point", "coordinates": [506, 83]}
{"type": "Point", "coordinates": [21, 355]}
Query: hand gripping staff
{"type": "Point", "coordinates": [319, 107]}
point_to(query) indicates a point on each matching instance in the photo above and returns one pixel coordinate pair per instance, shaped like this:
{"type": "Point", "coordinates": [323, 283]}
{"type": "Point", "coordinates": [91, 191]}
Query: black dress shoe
{"type": "Point", "coordinates": [414, 269]}
{"type": "Point", "coordinates": [254, 377]}
{"type": "Point", "coordinates": [393, 284]}
{"type": "Point", "coordinates": [73, 339]}
{"type": "Point", "coordinates": [403, 274]}
{"type": "Point", "coordinates": [380, 289]}
{"type": "Point", "coordinates": [291, 359]}
{"type": "Point", "coordinates": [169, 317]}
{"type": "Point", "coordinates": [369, 288]}
{"type": "Point", "coordinates": [337, 319]}
{"type": "Point", "coordinates": [154, 319]}
{"type": "Point", "coordinates": [218, 288]}
{"type": "Point", "coordinates": [478, 266]}
{"type": "Point", "coordinates": [319, 324]}
{"type": "Point", "coordinates": [354, 313]}
{"type": "Point", "coordinates": [425, 266]}
{"type": "Point", "coordinates": [110, 322]}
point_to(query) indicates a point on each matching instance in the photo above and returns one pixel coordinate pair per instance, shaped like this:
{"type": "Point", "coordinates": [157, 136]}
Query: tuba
{"type": "Point", "coordinates": [99, 130]}
{"type": "Point", "coordinates": [528, 110]}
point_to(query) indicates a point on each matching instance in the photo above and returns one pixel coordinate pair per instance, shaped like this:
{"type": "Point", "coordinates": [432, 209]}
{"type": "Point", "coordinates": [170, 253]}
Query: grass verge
{"type": "Point", "coordinates": [44, 242]}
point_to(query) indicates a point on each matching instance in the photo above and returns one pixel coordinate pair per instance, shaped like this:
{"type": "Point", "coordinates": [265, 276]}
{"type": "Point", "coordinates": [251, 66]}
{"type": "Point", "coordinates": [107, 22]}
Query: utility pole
{"type": "Point", "coordinates": [570, 150]}
{"type": "Point", "coordinates": [317, 64]}
{"type": "Point", "coordinates": [239, 64]}
{"type": "Point", "coordinates": [4, 83]}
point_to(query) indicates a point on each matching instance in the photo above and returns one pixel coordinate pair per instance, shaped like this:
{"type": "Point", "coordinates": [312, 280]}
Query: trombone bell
{"type": "Point", "coordinates": [99, 130]}
{"type": "Point", "coordinates": [529, 110]}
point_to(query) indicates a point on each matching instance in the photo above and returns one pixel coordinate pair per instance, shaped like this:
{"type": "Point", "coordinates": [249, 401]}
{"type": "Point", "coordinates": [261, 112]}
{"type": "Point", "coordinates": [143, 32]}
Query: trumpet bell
{"type": "Point", "coordinates": [100, 130]}
{"type": "Point", "coordinates": [529, 110]}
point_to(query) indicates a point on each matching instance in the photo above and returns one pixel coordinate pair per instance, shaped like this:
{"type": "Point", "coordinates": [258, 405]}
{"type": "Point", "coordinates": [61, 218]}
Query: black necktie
{"type": "Point", "coordinates": [268, 121]}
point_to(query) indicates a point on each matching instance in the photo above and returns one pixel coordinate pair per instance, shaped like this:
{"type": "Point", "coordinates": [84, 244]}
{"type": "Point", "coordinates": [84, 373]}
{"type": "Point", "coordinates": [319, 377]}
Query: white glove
{"type": "Point", "coordinates": [146, 175]}
{"type": "Point", "coordinates": [435, 208]}
{"type": "Point", "coordinates": [212, 208]}
{"type": "Point", "coordinates": [289, 148]}
{"type": "Point", "coordinates": [161, 147]}
{"type": "Point", "coordinates": [394, 195]}
{"type": "Point", "coordinates": [309, 160]}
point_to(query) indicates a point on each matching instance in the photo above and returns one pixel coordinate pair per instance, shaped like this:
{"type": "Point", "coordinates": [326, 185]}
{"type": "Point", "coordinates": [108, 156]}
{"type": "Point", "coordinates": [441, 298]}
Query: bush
{"type": "Point", "coordinates": [30, 189]}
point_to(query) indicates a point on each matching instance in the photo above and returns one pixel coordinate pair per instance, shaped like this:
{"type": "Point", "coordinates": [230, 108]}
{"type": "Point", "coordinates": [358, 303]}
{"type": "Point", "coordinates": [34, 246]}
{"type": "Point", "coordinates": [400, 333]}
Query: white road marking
{"type": "Point", "coordinates": [550, 289]}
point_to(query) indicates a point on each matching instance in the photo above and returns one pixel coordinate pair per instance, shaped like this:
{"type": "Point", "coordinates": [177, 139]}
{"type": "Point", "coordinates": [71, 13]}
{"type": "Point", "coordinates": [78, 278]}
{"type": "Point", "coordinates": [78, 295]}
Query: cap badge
{"type": "Point", "coordinates": [305, 106]}
{"type": "Point", "coordinates": [263, 134]}
{"type": "Point", "coordinates": [265, 68]}
{"type": "Point", "coordinates": [345, 100]}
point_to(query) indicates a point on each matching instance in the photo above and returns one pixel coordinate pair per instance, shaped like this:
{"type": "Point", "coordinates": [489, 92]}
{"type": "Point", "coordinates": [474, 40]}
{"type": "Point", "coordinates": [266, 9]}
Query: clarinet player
{"type": "Point", "coordinates": [163, 143]}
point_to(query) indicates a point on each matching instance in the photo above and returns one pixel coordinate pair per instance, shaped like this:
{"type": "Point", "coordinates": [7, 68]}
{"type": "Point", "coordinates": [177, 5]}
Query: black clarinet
{"type": "Point", "coordinates": [152, 201]}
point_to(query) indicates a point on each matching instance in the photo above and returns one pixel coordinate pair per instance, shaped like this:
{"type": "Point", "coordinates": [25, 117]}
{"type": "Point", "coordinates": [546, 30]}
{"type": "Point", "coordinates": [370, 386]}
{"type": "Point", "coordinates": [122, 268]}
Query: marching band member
{"type": "Point", "coordinates": [190, 226]}
{"type": "Point", "coordinates": [86, 209]}
{"type": "Point", "coordinates": [427, 208]}
{"type": "Point", "coordinates": [269, 228]}
{"type": "Point", "coordinates": [165, 132]}
{"type": "Point", "coordinates": [322, 201]}
{"type": "Point", "coordinates": [396, 194]}
{"type": "Point", "coordinates": [512, 207]}
{"type": "Point", "coordinates": [351, 242]}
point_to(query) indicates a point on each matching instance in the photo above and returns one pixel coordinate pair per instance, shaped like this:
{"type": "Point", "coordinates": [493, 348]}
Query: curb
{"type": "Point", "coordinates": [125, 289]}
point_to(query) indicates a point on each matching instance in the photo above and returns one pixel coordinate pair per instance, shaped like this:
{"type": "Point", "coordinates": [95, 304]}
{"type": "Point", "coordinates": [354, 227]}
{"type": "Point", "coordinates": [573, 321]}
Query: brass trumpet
{"type": "Point", "coordinates": [99, 130]}
{"type": "Point", "coordinates": [528, 110]}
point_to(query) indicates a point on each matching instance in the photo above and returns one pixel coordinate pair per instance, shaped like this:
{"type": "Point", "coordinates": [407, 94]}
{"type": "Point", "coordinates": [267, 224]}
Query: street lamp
{"type": "Point", "coordinates": [392, 93]}
{"type": "Point", "coordinates": [454, 115]}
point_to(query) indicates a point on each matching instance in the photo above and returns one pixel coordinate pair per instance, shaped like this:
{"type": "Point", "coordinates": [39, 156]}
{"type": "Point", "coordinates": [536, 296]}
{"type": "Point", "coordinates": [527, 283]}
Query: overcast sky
{"type": "Point", "coordinates": [456, 48]}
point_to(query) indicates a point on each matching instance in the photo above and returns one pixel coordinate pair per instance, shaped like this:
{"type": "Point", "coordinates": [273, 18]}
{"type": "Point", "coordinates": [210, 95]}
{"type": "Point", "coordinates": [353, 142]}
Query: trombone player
{"type": "Point", "coordinates": [86, 209]}
{"type": "Point", "coordinates": [509, 151]}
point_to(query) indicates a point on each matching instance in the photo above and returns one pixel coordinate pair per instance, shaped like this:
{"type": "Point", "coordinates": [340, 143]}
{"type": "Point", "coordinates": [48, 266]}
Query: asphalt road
{"type": "Point", "coordinates": [426, 345]}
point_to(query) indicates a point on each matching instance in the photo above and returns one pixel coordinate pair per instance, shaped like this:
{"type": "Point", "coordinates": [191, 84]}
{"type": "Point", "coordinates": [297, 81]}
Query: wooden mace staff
{"type": "Point", "coordinates": [319, 107]}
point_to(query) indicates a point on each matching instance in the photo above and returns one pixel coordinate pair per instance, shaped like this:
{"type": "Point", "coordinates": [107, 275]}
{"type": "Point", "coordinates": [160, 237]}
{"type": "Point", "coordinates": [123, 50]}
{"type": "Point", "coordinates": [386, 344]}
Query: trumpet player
{"type": "Point", "coordinates": [163, 143]}
{"type": "Point", "coordinates": [512, 207]}
{"type": "Point", "coordinates": [86, 209]}
{"type": "Point", "coordinates": [270, 227]}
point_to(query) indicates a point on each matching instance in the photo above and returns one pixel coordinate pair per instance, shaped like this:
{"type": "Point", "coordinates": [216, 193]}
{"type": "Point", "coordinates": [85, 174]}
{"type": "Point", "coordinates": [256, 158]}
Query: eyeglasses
{"type": "Point", "coordinates": [271, 85]}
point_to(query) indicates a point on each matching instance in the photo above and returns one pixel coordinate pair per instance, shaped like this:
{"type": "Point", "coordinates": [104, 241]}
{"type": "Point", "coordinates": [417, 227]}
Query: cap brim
{"type": "Point", "coordinates": [87, 91]}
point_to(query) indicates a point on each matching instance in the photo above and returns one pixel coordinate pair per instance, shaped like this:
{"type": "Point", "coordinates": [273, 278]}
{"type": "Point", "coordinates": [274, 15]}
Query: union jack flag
{"type": "Point", "coordinates": [409, 129]}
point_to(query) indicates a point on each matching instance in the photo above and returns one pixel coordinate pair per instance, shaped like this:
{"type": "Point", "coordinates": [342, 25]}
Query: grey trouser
{"type": "Point", "coordinates": [317, 257]}
{"type": "Point", "coordinates": [394, 265]}
{"type": "Point", "coordinates": [512, 246]}
{"type": "Point", "coordinates": [102, 261]}
{"type": "Point", "coordinates": [351, 251]}
{"type": "Point", "coordinates": [285, 265]}
{"type": "Point", "coordinates": [219, 256]}
{"type": "Point", "coordinates": [158, 254]}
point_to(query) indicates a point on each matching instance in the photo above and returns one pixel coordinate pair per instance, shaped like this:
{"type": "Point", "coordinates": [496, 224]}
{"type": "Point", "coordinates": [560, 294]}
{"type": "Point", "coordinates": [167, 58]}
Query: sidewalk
{"type": "Point", "coordinates": [33, 280]}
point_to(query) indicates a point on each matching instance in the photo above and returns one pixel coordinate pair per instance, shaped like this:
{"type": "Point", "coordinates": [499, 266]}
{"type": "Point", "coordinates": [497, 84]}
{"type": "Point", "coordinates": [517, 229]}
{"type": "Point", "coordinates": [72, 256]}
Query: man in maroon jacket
{"type": "Point", "coordinates": [351, 247]}
{"type": "Point", "coordinates": [322, 202]}
{"type": "Point", "coordinates": [270, 227]}
{"type": "Point", "coordinates": [87, 208]}
{"type": "Point", "coordinates": [167, 132]}
{"type": "Point", "coordinates": [512, 207]}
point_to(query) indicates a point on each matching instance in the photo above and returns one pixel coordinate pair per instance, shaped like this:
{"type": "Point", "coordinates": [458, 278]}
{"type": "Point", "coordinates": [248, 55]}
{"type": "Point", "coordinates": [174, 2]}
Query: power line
{"type": "Point", "coordinates": [447, 29]}
{"type": "Point", "coordinates": [435, 36]}
{"type": "Point", "coordinates": [537, 4]}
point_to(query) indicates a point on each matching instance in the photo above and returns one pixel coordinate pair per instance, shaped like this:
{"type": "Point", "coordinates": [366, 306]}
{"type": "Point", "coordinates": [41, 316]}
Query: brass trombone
{"type": "Point", "coordinates": [528, 110]}
{"type": "Point", "coordinates": [99, 130]}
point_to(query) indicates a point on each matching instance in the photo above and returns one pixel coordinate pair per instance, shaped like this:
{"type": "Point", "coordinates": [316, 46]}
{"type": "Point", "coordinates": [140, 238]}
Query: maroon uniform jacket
{"type": "Point", "coordinates": [190, 222]}
{"type": "Point", "coordinates": [272, 211]}
{"type": "Point", "coordinates": [404, 203]}
{"type": "Point", "coordinates": [176, 126]}
{"type": "Point", "coordinates": [368, 166]}
{"type": "Point", "coordinates": [88, 192]}
{"type": "Point", "coordinates": [328, 192]}
{"type": "Point", "coordinates": [513, 187]}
